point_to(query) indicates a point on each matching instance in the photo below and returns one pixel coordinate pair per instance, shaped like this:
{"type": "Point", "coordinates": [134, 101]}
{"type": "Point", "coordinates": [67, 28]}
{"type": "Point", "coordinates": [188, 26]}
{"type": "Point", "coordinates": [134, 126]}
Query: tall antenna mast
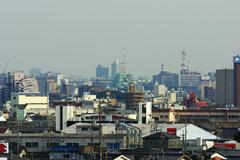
{"type": "Point", "coordinates": [184, 63]}
{"type": "Point", "coordinates": [162, 67]}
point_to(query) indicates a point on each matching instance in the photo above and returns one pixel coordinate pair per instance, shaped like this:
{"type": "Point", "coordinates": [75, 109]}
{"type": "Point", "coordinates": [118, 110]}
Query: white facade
{"type": "Point", "coordinates": [59, 79]}
{"type": "Point", "coordinates": [160, 89]}
{"type": "Point", "coordinates": [144, 113]}
{"type": "Point", "coordinates": [63, 114]}
{"type": "Point", "coordinates": [28, 85]}
{"type": "Point", "coordinates": [89, 97]}
{"type": "Point", "coordinates": [18, 75]}
{"type": "Point", "coordinates": [32, 102]}
{"type": "Point", "coordinates": [173, 97]}
{"type": "Point", "coordinates": [189, 131]}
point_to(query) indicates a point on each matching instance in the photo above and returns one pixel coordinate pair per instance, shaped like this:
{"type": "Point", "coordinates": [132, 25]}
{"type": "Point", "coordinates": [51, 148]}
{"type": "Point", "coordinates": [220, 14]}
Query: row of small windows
{"type": "Point", "coordinates": [210, 116]}
{"type": "Point", "coordinates": [32, 144]}
{"type": "Point", "coordinates": [72, 144]}
{"type": "Point", "coordinates": [87, 129]}
{"type": "Point", "coordinates": [51, 144]}
{"type": "Point", "coordinates": [92, 118]}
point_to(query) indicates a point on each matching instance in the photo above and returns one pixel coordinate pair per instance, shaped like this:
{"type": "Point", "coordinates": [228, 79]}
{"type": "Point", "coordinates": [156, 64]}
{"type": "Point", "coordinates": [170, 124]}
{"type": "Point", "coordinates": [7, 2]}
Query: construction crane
{"type": "Point", "coordinates": [5, 68]}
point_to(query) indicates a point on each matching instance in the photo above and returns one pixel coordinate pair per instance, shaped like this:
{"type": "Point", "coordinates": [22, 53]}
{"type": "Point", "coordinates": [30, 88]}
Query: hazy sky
{"type": "Point", "coordinates": [73, 36]}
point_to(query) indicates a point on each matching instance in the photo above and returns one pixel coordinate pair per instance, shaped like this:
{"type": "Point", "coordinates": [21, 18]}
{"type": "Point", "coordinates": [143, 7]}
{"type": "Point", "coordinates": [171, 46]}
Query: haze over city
{"type": "Point", "coordinates": [120, 80]}
{"type": "Point", "coordinates": [74, 36]}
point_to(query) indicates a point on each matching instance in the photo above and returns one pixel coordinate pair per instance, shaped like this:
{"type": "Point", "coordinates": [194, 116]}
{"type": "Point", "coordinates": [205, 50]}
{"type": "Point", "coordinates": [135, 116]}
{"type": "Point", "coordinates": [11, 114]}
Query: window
{"type": "Point", "coordinates": [68, 144]}
{"type": "Point", "coordinates": [66, 156]}
{"type": "Point", "coordinates": [31, 144]}
{"type": "Point", "coordinates": [34, 145]}
{"type": "Point", "coordinates": [72, 144]}
{"type": "Point", "coordinates": [12, 144]}
{"type": "Point", "coordinates": [113, 145]}
{"type": "Point", "coordinates": [51, 144]}
{"type": "Point", "coordinates": [95, 129]}
{"type": "Point", "coordinates": [143, 110]}
{"type": "Point", "coordinates": [75, 144]}
{"type": "Point", "coordinates": [28, 145]}
{"type": "Point", "coordinates": [143, 119]}
{"type": "Point", "coordinates": [84, 129]}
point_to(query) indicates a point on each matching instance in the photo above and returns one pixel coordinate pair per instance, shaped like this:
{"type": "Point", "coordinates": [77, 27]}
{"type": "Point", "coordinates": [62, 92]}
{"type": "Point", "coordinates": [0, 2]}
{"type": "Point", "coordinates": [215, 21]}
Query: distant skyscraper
{"type": "Point", "coordinates": [122, 68]}
{"type": "Point", "coordinates": [14, 78]}
{"type": "Point", "coordinates": [170, 80]}
{"type": "Point", "coordinates": [102, 72]}
{"type": "Point", "coordinates": [190, 81]}
{"type": "Point", "coordinates": [49, 82]}
{"type": "Point", "coordinates": [42, 84]}
{"type": "Point", "coordinates": [35, 71]}
{"type": "Point", "coordinates": [115, 68]}
{"type": "Point", "coordinates": [3, 79]}
{"type": "Point", "coordinates": [224, 87]}
{"type": "Point", "coordinates": [236, 80]}
{"type": "Point", "coordinates": [5, 94]}
{"type": "Point", "coordinates": [212, 76]}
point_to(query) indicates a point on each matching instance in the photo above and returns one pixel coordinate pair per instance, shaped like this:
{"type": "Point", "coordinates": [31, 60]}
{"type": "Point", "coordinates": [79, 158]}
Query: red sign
{"type": "Point", "coordinates": [226, 145]}
{"type": "Point", "coordinates": [4, 148]}
{"type": "Point", "coordinates": [172, 131]}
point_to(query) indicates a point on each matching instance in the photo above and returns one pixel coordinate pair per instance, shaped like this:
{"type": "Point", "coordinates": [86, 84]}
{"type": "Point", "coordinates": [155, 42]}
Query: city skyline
{"type": "Point", "coordinates": [40, 34]}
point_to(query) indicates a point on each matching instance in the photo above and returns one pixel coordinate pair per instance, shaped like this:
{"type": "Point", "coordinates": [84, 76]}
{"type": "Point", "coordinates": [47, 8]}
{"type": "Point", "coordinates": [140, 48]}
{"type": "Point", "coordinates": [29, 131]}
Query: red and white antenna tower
{"type": "Point", "coordinates": [184, 66]}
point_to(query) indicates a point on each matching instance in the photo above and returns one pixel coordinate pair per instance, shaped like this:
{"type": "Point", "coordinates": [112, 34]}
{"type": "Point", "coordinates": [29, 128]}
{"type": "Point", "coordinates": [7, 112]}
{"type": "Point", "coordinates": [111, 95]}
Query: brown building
{"type": "Point", "coordinates": [230, 118]}
{"type": "Point", "coordinates": [52, 86]}
{"type": "Point", "coordinates": [236, 81]}
{"type": "Point", "coordinates": [134, 97]}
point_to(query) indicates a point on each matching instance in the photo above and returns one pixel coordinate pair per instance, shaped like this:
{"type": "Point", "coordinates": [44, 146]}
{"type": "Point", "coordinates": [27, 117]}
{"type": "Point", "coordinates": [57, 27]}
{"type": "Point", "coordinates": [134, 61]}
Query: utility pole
{"type": "Point", "coordinates": [92, 157]}
{"type": "Point", "coordinates": [100, 131]}
{"type": "Point", "coordinates": [116, 128]}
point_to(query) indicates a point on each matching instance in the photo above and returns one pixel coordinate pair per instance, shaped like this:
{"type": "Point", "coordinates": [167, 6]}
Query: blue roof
{"type": "Point", "coordinates": [64, 149]}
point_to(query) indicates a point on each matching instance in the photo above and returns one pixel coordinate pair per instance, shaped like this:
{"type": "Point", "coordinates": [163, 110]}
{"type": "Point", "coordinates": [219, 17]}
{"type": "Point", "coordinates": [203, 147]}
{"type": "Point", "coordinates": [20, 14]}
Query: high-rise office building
{"type": "Point", "coordinates": [170, 80]}
{"type": "Point", "coordinates": [102, 72]}
{"type": "Point", "coordinates": [236, 80]}
{"type": "Point", "coordinates": [122, 68]}
{"type": "Point", "coordinates": [49, 82]}
{"type": "Point", "coordinates": [224, 87]}
{"type": "Point", "coordinates": [35, 71]}
{"type": "Point", "coordinates": [42, 84]}
{"type": "Point", "coordinates": [5, 94]}
{"type": "Point", "coordinates": [14, 79]}
{"type": "Point", "coordinates": [190, 81]}
{"type": "Point", "coordinates": [3, 79]}
{"type": "Point", "coordinates": [115, 68]}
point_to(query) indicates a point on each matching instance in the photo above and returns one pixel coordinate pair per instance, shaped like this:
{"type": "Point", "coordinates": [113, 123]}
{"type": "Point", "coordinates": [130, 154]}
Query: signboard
{"type": "Point", "coordinates": [4, 148]}
{"type": "Point", "coordinates": [172, 131]}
